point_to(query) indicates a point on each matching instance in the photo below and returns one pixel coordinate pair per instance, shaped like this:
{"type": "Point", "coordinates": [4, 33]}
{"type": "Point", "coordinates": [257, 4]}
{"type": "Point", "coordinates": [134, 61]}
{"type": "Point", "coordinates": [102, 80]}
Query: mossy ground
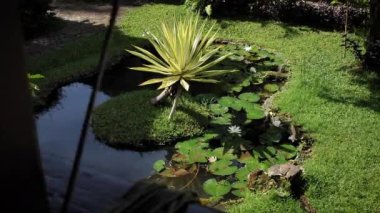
{"type": "Point", "coordinates": [131, 120]}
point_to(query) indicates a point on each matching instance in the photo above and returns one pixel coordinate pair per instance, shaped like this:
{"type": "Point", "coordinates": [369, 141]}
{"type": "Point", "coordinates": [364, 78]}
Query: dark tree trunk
{"type": "Point", "coordinates": [373, 42]}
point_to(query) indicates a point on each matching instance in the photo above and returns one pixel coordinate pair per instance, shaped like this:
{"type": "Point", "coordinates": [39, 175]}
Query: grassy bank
{"type": "Point", "coordinates": [340, 107]}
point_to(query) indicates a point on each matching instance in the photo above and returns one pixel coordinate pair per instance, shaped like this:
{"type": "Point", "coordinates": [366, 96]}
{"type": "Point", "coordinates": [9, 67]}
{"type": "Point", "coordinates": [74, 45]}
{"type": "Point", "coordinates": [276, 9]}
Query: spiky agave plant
{"type": "Point", "coordinates": [184, 55]}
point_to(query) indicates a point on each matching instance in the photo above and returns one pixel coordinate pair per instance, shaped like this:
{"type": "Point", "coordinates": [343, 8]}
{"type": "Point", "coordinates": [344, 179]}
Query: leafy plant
{"type": "Point", "coordinates": [159, 165]}
{"type": "Point", "coordinates": [184, 54]}
{"type": "Point", "coordinates": [33, 87]}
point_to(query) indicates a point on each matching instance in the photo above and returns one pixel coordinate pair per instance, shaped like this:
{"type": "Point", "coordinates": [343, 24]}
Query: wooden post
{"type": "Point", "coordinates": [21, 177]}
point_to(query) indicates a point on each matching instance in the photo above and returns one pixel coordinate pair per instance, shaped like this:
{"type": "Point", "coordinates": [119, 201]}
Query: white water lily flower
{"type": "Point", "coordinates": [234, 130]}
{"type": "Point", "coordinates": [247, 48]}
{"type": "Point", "coordinates": [212, 159]}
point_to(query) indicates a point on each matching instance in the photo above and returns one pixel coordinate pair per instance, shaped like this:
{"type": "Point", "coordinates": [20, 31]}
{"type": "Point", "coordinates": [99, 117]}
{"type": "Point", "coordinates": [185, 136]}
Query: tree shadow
{"type": "Point", "coordinates": [91, 3]}
{"type": "Point", "coordinates": [290, 29]}
{"type": "Point", "coordinates": [369, 79]}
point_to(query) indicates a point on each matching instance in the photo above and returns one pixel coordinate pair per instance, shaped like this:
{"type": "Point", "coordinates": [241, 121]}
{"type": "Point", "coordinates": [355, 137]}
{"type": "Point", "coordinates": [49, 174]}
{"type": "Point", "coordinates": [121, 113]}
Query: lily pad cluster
{"type": "Point", "coordinates": [229, 170]}
{"type": "Point", "coordinates": [234, 162]}
{"type": "Point", "coordinates": [256, 64]}
{"type": "Point", "coordinates": [247, 102]}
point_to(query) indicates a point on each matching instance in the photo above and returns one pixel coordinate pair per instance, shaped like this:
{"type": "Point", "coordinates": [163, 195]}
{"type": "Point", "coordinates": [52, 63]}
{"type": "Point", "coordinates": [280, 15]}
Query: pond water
{"type": "Point", "coordinates": [105, 173]}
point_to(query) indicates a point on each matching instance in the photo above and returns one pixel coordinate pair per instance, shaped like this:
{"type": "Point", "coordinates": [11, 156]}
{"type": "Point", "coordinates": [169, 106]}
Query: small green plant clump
{"type": "Point", "coordinates": [130, 120]}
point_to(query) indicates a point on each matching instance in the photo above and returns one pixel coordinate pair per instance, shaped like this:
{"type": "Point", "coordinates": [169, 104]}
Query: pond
{"type": "Point", "coordinates": [106, 173]}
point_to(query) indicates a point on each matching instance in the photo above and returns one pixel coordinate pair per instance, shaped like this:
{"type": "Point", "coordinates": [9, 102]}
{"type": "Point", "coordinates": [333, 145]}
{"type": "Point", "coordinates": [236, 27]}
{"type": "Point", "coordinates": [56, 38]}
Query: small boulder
{"type": "Point", "coordinates": [287, 170]}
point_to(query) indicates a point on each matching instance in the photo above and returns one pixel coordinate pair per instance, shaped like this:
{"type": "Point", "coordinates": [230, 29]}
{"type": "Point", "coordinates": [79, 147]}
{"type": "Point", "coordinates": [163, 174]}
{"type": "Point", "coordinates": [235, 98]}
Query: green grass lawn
{"type": "Point", "coordinates": [338, 106]}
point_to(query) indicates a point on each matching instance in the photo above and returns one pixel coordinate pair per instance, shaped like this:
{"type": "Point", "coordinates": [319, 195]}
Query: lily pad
{"type": "Point", "coordinates": [272, 135]}
{"type": "Point", "coordinates": [180, 158]}
{"type": "Point", "coordinates": [242, 174]}
{"type": "Point", "coordinates": [265, 152]}
{"type": "Point", "coordinates": [250, 97]}
{"type": "Point", "coordinates": [209, 136]}
{"type": "Point", "coordinates": [230, 102]}
{"type": "Point", "coordinates": [236, 143]}
{"type": "Point", "coordinates": [245, 157]}
{"type": "Point", "coordinates": [198, 155]}
{"type": "Point", "coordinates": [288, 151]}
{"type": "Point", "coordinates": [271, 87]}
{"type": "Point", "coordinates": [217, 109]}
{"type": "Point", "coordinates": [241, 188]}
{"type": "Point", "coordinates": [215, 188]}
{"type": "Point", "coordinates": [223, 154]}
{"type": "Point", "coordinates": [222, 167]}
{"type": "Point", "coordinates": [236, 58]}
{"type": "Point", "coordinates": [254, 111]}
{"type": "Point", "coordinates": [225, 119]}
{"type": "Point", "coordinates": [242, 192]}
{"type": "Point", "coordinates": [159, 165]}
{"type": "Point", "coordinates": [239, 185]}
{"type": "Point", "coordinates": [186, 146]}
{"type": "Point", "coordinates": [253, 165]}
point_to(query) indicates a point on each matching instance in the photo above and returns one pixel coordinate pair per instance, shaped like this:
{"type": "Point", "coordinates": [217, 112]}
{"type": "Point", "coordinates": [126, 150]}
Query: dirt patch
{"type": "Point", "coordinates": [77, 20]}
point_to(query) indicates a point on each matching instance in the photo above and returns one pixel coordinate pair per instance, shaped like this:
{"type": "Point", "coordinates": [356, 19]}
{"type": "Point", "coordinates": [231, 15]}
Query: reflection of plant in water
{"type": "Point", "coordinates": [185, 54]}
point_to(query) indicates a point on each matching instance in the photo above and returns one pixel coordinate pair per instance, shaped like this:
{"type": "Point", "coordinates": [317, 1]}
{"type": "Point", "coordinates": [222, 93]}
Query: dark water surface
{"type": "Point", "coordinates": [106, 173]}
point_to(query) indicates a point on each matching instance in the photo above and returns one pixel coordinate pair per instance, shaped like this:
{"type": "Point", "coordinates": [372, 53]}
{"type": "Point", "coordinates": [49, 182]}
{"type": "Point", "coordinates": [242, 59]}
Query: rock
{"type": "Point", "coordinates": [286, 170]}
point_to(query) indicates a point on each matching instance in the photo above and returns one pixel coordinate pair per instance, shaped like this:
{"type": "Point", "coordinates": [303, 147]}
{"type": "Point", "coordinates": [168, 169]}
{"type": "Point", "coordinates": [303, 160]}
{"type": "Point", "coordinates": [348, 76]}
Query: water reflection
{"type": "Point", "coordinates": [106, 173]}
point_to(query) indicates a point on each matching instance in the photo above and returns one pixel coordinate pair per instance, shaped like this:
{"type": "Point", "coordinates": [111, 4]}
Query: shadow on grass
{"type": "Point", "coordinates": [369, 79]}
{"type": "Point", "coordinates": [290, 29]}
{"type": "Point", "coordinates": [67, 60]}
{"type": "Point", "coordinates": [121, 2]}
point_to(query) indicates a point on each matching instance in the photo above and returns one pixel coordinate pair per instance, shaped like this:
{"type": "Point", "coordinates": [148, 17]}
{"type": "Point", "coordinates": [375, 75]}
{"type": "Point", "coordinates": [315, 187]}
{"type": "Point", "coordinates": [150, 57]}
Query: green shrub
{"type": "Point", "coordinates": [314, 13]}
{"type": "Point", "coordinates": [131, 120]}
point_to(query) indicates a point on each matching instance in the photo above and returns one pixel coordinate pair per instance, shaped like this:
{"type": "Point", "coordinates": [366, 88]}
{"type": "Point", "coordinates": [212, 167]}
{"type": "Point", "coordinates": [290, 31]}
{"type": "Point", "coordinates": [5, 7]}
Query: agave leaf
{"type": "Point", "coordinates": [204, 80]}
{"type": "Point", "coordinates": [184, 84]}
{"type": "Point", "coordinates": [152, 81]}
{"type": "Point", "coordinates": [168, 81]}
